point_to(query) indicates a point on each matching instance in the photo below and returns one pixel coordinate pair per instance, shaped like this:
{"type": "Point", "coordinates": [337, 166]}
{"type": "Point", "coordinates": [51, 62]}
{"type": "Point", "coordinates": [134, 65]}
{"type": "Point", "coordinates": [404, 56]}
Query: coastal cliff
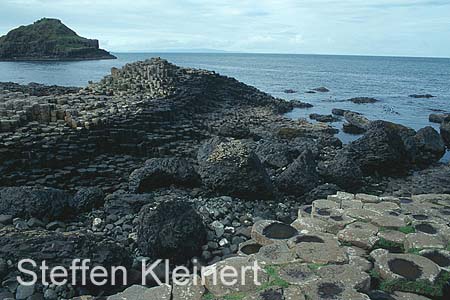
{"type": "Point", "coordinates": [49, 39]}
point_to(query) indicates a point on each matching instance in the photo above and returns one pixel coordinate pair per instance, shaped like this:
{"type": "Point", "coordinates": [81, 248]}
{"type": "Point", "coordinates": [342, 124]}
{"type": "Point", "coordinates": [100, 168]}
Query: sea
{"type": "Point", "coordinates": [389, 79]}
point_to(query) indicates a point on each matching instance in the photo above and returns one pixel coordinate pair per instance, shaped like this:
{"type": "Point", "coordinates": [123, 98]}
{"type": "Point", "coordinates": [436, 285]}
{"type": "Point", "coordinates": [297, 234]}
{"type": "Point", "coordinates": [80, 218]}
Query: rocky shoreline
{"type": "Point", "coordinates": [157, 161]}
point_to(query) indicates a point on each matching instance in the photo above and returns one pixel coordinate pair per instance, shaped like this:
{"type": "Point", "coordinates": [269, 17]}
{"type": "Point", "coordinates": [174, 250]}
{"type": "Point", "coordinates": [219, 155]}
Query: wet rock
{"type": "Point", "coordinates": [300, 177]}
{"type": "Point", "coordinates": [172, 230]}
{"type": "Point", "coordinates": [300, 104]}
{"type": "Point", "coordinates": [445, 133]}
{"type": "Point", "coordinates": [356, 123]}
{"type": "Point", "coordinates": [87, 198]}
{"type": "Point", "coordinates": [363, 100]}
{"type": "Point", "coordinates": [290, 91]}
{"type": "Point", "coordinates": [418, 96]}
{"type": "Point", "coordinates": [321, 89]}
{"type": "Point", "coordinates": [439, 118]}
{"type": "Point", "coordinates": [338, 111]}
{"type": "Point", "coordinates": [323, 118]}
{"type": "Point", "coordinates": [27, 202]}
{"type": "Point", "coordinates": [426, 147]}
{"type": "Point", "coordinates": [163, 172]}
{"type": "Point", "coordinates": [229, 167]}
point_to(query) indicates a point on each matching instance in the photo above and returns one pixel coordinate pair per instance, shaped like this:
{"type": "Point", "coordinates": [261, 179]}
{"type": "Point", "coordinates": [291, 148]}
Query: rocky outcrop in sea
{"type": "Point", "coordinates": [49, 39]}
{"type": "Point", "coordinates": [157, 161]}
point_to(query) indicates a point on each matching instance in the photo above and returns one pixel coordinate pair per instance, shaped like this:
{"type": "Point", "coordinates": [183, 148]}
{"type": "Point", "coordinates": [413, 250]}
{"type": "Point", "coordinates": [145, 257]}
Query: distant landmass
{"type": "Point", "coordinates": [49, 39]}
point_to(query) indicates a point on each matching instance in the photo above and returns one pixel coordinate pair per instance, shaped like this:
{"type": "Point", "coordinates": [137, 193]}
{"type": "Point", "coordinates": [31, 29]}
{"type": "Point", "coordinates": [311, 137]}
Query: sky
{"type": "Point", "coordinates": [347, 27]}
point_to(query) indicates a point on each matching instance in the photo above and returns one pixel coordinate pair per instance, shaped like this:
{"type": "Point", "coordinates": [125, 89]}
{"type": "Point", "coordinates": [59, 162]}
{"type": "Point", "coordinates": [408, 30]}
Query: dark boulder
{"type": "Point", "coordinates": [173, 230]}
{"type": "Point", "coordinates": [356, 123]}
{"type": "Point", "coordinates": [323, 118]}
{"type": "Point", "coordinates": [426, 147]}
{"type": "Point", "coordinates": [229, 167]}
{"type": "Point", "coordinates": [342, 170]}
{"type": "Point", "coordinates": [421, 96]}
{"type": "Point", "coordinates": [445, 133]}
{"type": "Point", "coordinates": [87, 199]}
{"type": "Point", "coordinates": [382, 149]}
{"type": "Point", "coordinates": [41, 203]}
{"type": "Point", "coordinates": [59, 249]}
{"type": "Point", "coordinates": [392, 149]}
{"type": "Point", "coordinates": [290, 91]}
{"type": "Point", "coordinates": [300, 104]}
{"type": "Point", "coordinates": [321, 89]}
{"type": "Point", "coordinates": [439, 118]}
{"type": "Point", "coordinates": [338, 111]}
{"type": "Point", "coordinates": [300, 177]}
{"type": "Point", "coordinates": [163, 172]}
{"type": "Point", "coordinates": [363, 100]}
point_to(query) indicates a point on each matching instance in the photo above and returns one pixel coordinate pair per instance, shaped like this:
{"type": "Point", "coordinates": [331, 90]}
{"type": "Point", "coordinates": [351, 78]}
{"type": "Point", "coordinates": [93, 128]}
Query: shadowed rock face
{"type": "Point", "coordinates": [173, 230]}
{"type": "Point", "coordinates": [49, 39]}
{"type": "Point", "coordinates": [59, 249]}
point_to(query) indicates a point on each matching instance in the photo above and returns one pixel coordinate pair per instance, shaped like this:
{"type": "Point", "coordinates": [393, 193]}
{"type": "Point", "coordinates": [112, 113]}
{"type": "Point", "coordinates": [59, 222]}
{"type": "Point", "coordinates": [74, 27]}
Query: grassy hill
{"type": "Point", "coordinates": [49, 39]}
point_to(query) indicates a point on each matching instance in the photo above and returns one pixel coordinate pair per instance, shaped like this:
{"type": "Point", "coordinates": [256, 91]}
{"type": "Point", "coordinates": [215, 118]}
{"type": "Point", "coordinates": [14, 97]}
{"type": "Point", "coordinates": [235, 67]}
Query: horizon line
{"type": "Point", "coordinates": [212, 51]}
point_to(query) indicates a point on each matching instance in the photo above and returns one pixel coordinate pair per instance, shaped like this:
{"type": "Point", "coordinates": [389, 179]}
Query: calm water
{"type": "Point", "coordinates": [389, 79]}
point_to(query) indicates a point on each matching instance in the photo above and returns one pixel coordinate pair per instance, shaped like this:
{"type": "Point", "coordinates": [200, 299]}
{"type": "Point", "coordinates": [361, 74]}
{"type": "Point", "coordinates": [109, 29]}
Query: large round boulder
{"type": "Point", "coordinates": [445, 133]}
{"type": "Point", "coordinates": [163, 172]}
{"type": "Point", "coordinates": [27, 202]}
{"type": "Point", "coordinates": [173, 230]}
{"type": "Point", "coordinates": [426, 147]}
{"type": "Point", "coordinates": [299, 177]}
{"type": "Point", "coordinates": [229, 167]}
{"type": "Point", "coordinates": [382, 149]}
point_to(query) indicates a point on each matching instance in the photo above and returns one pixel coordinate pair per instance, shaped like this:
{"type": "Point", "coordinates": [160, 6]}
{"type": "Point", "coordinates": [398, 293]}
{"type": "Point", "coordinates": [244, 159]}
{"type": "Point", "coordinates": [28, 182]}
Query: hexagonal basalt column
{"type": "Point", "coordinates": [407, 267]}
{"type": "Point", "coordinates": [267, 232]}
{"type": "Point", "coordinates": [249, 247]}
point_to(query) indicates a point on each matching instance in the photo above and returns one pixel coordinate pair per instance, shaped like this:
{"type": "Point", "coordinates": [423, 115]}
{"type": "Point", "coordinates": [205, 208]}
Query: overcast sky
{"type": "Point", "coordinates": [378, 27]}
